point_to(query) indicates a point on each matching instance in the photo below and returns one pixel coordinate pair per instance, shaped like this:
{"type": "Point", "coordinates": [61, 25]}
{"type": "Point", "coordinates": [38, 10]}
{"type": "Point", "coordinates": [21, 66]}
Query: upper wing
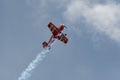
{"type": "Point", "coordinates": [53, 28]}
{"type": "Point", "coordinates": [63, 38]}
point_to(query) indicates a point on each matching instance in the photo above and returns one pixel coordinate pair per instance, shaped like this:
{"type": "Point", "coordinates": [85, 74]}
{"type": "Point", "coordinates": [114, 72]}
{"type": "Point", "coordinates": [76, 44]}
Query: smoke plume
{"type": "Point", "coordinates": [28, 71]}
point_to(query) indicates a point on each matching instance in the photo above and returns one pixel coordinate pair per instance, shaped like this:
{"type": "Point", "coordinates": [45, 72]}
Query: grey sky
{"type": "Point", "coordinates": [89, 55]}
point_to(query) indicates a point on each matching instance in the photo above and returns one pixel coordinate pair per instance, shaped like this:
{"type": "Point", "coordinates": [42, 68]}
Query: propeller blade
{"type": "Point", "coordinates": [65, 27]}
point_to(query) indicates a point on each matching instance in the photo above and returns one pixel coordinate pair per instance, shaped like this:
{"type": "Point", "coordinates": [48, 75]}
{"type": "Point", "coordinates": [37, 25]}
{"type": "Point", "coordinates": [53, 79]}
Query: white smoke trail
{"type": "Point", "coordinates": [28, 71]}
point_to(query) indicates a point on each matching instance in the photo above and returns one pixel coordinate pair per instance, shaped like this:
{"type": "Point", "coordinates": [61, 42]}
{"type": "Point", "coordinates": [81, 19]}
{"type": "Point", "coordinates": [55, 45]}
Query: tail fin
{"type": "Point", "coordinates": [44, 44]}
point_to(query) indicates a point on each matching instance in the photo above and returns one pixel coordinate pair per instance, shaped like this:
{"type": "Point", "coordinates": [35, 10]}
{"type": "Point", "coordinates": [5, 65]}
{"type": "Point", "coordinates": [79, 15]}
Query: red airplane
{"type": "Point", "coordinates": [56, 34]}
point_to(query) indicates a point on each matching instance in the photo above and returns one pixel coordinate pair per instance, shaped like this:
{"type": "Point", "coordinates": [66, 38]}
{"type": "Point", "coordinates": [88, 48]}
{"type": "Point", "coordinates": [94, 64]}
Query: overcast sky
{"type": "Point", "coordinates": [93, 50]}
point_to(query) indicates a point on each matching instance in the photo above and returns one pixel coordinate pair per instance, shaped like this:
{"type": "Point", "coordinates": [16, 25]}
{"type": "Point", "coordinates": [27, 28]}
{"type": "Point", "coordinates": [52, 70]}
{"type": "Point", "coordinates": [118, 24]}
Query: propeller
{"type": "Point", "coordinates": [66, 27]}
